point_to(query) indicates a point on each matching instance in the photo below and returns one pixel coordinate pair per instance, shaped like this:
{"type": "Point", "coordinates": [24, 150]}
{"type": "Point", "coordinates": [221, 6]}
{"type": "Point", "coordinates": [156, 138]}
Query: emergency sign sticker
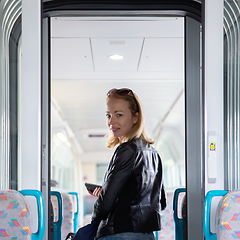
{"type": "Point", "coordinates": [212, 147]}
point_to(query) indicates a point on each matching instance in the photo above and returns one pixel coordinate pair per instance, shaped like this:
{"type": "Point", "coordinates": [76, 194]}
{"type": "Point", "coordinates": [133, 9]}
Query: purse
{"type": "Point", "coordinates": [87, 232]}
{"type": "Point", "coordinates": [70, 236]}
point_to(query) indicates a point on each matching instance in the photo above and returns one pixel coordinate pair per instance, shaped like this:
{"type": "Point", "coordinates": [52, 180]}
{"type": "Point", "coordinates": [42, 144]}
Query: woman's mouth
{"type": "Point", "coordinates": [114, 129]}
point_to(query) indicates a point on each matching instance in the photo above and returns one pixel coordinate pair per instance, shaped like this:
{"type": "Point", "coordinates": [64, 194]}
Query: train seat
{"type": "Point", "coordinates": [57, 201]}
{"type": "Point", "coordinates": [68, 215]}
{"type": "Point", "coordinates": [227, 216]}
{"type": "Point", "coordinates": [179, 213]}
{"type": "Point", "coordinates": [184, 216]}
{"type": "Point", "coordinates": [168, 228]}
{"type": "Point", "coordinates": [75, 197]}
{"type": "Point", "coordinates": [51, 222]}
{"type": "Point", "coordinates": [15, 215]}
{"type": "Point", "coordinates": [63, 214]}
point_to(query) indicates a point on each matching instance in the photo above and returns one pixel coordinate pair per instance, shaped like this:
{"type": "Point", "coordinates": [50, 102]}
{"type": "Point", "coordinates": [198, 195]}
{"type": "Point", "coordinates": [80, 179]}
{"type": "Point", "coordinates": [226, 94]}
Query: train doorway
{"type": "Point", "coordinates": [190, 95]}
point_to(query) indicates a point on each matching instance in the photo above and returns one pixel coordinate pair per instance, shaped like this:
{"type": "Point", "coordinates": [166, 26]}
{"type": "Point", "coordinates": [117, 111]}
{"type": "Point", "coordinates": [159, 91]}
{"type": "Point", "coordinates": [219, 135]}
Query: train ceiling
{"type": "Point", "coordinates": [82, 71]}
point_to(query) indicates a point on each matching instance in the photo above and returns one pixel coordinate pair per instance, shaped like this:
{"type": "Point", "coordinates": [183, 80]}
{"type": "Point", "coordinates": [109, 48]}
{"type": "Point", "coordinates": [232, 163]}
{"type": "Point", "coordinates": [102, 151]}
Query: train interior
{"type": "Point", "coordinates": [183, 64]}
{"type": "Point", "coordinates": [82, 73]}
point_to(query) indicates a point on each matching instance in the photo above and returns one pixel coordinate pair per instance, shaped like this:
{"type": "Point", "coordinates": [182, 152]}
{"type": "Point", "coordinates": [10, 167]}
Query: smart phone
{"type": "Point", "coordinates": [91, 187]}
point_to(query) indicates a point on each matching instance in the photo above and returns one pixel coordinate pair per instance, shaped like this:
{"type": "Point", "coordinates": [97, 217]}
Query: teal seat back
{"type": "Point", "coordinates": [207, 212]}
{"type": "Point", "coordinates": [41, 212]}
{"type": "Point", "coordinates": [178, 221]}
{"type": "Point", "coordinates": [57, 201]}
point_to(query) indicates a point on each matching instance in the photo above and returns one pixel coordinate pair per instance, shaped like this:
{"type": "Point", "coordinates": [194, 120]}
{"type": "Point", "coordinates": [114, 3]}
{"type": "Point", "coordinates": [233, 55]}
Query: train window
{"type": "Point", "coordinates": [14, 76]}
{"type": "Point", "coordinates": [10, 33]}
{"type": "Point", "coordinates": [232, 93]}
{"type": "Point", "coordinates": [171, 147]}
{"type": "Point", "coordinates": [62, 162]}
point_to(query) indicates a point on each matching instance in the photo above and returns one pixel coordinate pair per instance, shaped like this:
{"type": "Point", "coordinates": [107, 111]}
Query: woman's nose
{"type": "Point", "coordinates": [111, 120]}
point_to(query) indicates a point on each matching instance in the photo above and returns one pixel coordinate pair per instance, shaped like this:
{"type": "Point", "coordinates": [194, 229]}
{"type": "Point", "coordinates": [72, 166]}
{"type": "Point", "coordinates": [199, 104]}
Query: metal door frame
{"type": "Point", "coordinates": [193, 118]}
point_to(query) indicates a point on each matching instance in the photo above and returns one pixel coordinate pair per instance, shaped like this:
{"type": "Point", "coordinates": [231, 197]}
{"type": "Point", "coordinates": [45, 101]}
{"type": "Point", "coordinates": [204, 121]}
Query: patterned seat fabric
{"type": "Point", "coordinates": [51, 222]}
{"type": "Point", "coordinates": [184, 216]}
{"type": "Point", "coordinates": [54, 203]}
{"type": "Point", "coordinates": [15, 218]}
{"type": "Point", "coordinates": [68, 215]}
{"type": "Point", "coordinates": [168, 226]}
{"type": "Point", "coordinates": [57, 225]}
{"type": "Point", "coordinates": [228, 216]}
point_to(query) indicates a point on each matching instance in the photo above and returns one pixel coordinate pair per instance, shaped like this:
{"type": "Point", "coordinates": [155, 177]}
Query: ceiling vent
{"type": "Point", "coordinates": [117, 42]}
{"type": "Point", "coordinates": [96, 135]}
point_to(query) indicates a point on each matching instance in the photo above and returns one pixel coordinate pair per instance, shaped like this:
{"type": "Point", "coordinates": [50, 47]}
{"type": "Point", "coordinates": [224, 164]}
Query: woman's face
{"type": "Point", "coordinates": [119, 118]}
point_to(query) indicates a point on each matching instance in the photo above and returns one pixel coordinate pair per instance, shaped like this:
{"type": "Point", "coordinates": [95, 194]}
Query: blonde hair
{"type": "Point", "coordinates": [138, 129]}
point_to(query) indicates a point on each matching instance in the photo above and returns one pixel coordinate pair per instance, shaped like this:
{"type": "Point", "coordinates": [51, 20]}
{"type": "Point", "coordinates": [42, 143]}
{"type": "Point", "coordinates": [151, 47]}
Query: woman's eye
{"type": "Point", "coordinates": [107, 115]}
{"type": "Point", "coordinates": [119, 114]}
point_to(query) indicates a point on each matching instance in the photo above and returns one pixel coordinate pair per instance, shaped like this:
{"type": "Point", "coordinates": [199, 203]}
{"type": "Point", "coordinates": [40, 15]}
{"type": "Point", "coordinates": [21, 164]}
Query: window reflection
{"type": "Point", "coordinates": [62, 162]}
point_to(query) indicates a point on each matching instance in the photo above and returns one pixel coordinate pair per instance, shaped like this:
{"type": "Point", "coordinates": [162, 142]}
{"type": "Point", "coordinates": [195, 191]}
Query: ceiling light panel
{"type": "Point", "coordinates": [71, 57]}
{"type": "Point", "coordinates": [129, 48]}
{"type": "Point", "coordinates": [116, 57]}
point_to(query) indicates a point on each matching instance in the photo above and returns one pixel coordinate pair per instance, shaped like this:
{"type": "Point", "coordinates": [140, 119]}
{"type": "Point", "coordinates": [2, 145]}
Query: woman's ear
{"type": "Point", "coordinates": [135, 117]}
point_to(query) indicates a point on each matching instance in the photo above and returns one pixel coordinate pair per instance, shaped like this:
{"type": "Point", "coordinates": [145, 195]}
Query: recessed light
{"type": "Point", "coordinates": [116, 57]}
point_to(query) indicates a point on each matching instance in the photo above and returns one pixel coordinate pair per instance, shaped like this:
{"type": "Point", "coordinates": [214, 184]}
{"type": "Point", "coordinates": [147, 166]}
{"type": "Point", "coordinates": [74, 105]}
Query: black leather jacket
{"type": "Point", "coordinates": [132, 193]}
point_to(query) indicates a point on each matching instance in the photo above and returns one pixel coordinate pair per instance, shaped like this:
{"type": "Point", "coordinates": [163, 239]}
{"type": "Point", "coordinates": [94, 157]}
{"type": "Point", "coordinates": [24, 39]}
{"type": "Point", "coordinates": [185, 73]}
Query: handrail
{"type": "Point", "coordinates": [41, 215]}
{"type": "Point", "coordinates": [178, 221]}
{"type": "Point", "coordinates": [207, 211]}
{"type": "Point", "coordinates": [57, 226]}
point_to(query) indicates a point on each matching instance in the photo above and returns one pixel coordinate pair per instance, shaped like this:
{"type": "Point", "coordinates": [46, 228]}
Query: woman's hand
{"type": "Point", "coordinates": [96, 192]}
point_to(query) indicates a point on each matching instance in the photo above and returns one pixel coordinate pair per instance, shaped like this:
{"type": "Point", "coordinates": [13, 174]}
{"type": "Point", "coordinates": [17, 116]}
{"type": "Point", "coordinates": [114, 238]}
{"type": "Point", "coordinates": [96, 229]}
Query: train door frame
{"type": "Point", "coordinates": [193, 127]}
{"type": "Point", "coordinates": [193, 95]}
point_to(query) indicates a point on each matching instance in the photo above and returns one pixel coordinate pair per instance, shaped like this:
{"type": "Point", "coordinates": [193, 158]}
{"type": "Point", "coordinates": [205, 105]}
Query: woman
{"type": "Point", "coordinates": [132, 194]}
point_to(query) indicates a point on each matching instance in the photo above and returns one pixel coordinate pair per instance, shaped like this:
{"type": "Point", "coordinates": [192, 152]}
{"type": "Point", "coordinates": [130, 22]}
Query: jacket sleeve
{"type": "Point", "coordinates": [163, 198]}
{"type": "Point", "coordinates": [119, 171]}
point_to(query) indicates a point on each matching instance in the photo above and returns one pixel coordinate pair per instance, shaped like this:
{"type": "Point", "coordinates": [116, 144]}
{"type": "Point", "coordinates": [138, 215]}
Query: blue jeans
{"type": "Point", "coordinates": [129, 236]}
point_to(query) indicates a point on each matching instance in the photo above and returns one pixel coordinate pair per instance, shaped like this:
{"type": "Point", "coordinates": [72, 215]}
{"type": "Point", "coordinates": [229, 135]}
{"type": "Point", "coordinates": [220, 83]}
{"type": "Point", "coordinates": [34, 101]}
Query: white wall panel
{"type": "Point", "coordinates": [214, 87]}
{"type": "Point", "coordinates": [213, 60]}
{"type": "Point", "coordinates": [30, 96]}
